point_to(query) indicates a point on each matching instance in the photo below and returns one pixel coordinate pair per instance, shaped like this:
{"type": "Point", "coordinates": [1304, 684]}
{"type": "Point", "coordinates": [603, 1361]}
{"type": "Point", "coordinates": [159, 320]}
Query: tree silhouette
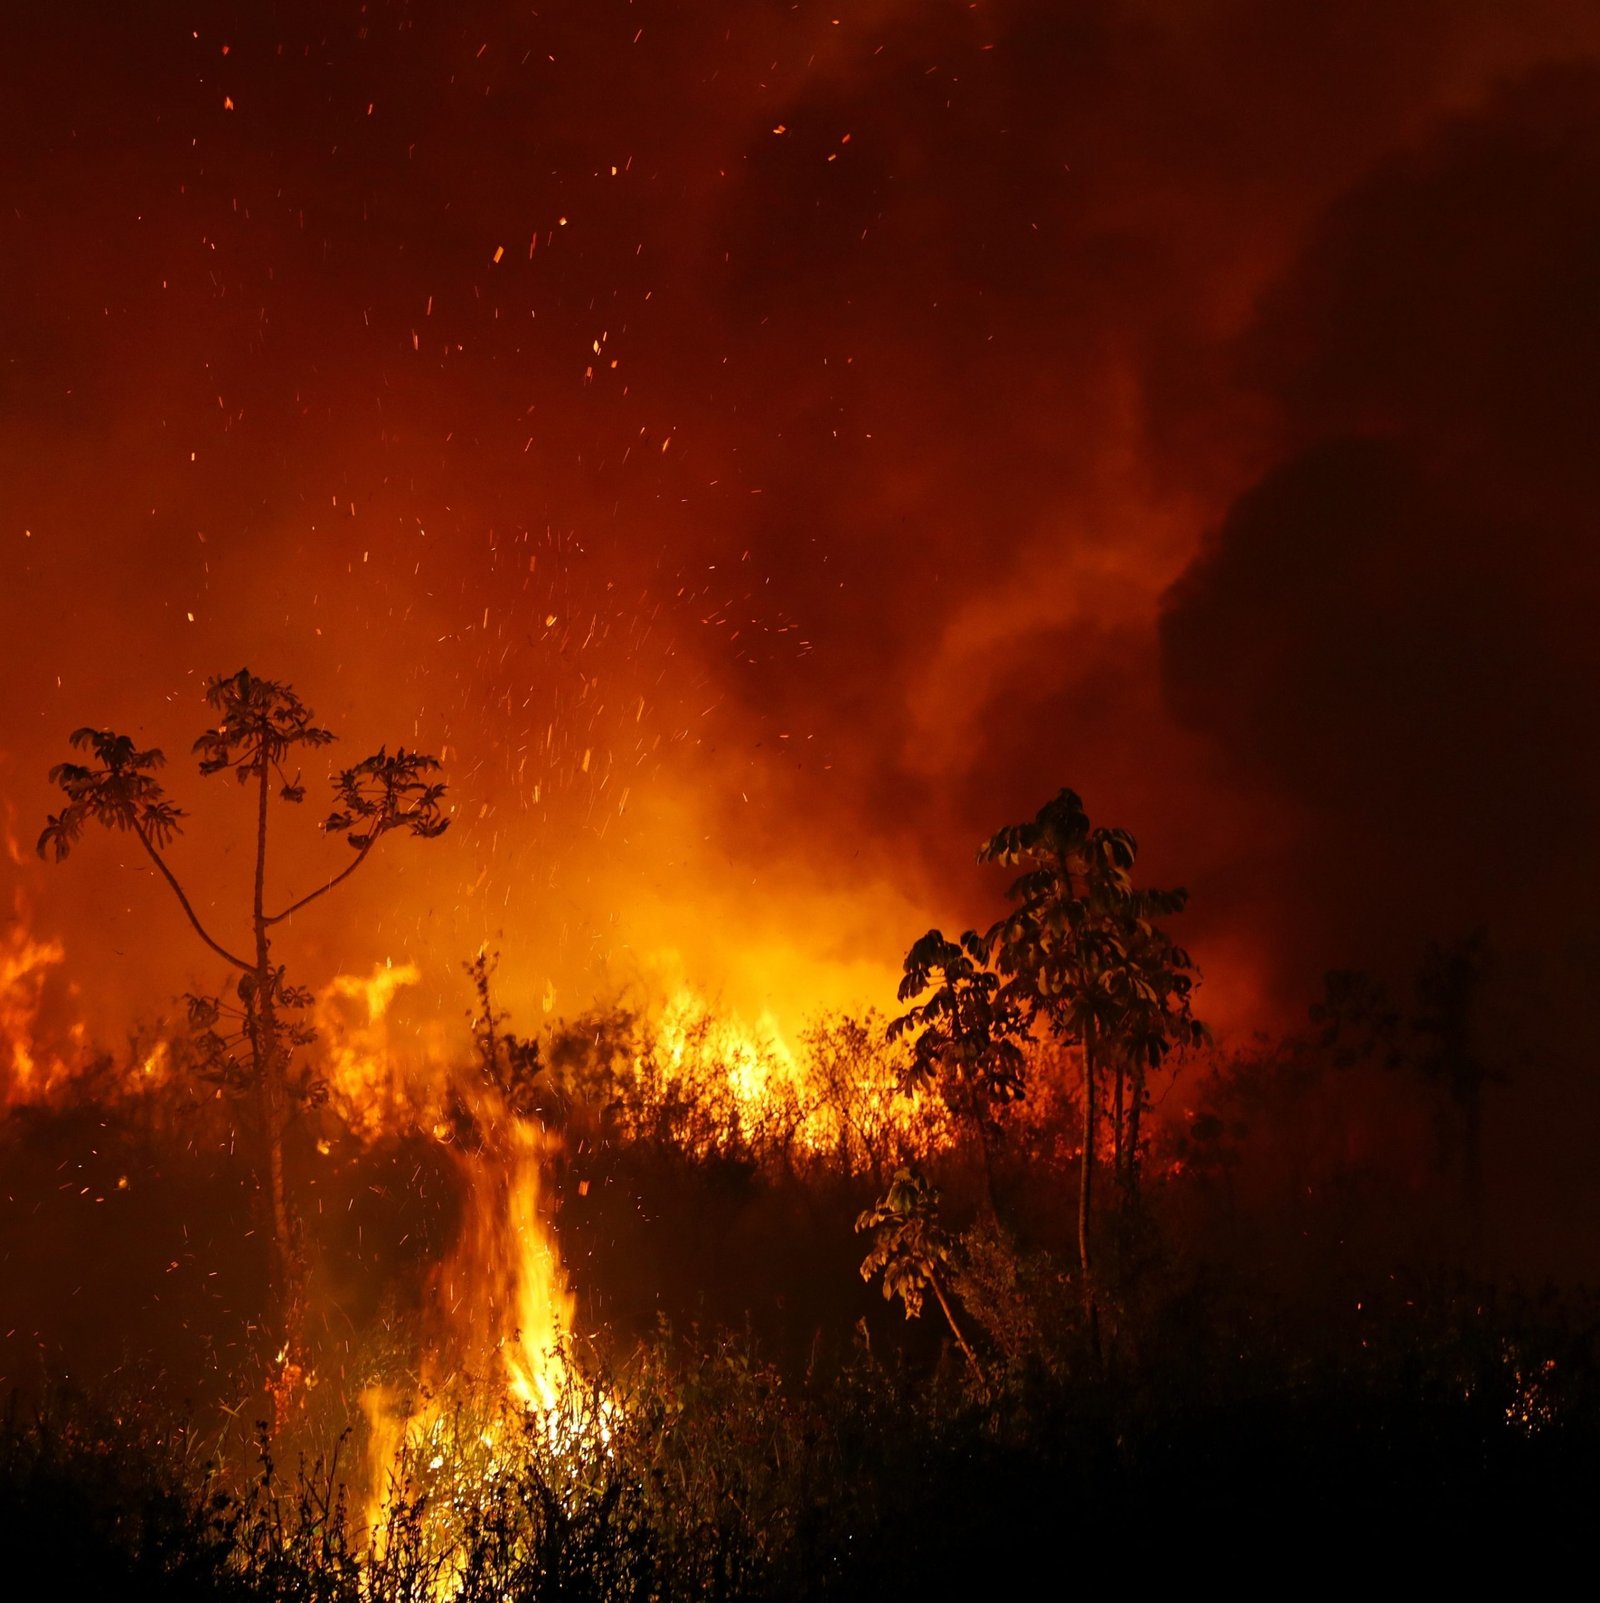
{"type": "Point", "coordinates": [965, 1035]}
{"type": "Point", "coordinates": [911, 1250]}
{"type": "Point", "coordinates": [1080, 956]}
{"type": "Point", "coordinates": [249, 1040]}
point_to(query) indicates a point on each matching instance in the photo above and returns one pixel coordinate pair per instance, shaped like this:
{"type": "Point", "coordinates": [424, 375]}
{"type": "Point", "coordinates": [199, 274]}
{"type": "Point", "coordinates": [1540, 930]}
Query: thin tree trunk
{"type": "Point", "coordinates": [1086, 1174]}
{"type": "Point", "coordinates": [1128, 1163]}
{"type": "Point", "coordinates": [1135, 1113]}
{"type": "Point", "coordinates": [272, 1104]}
{"type": "Point", "coordinates": [975, 1109]}
{"type": "Point", "coordinates": [1121, 1155]}
{"type": "Point", "coordinates": [1117, 1148]}
{"type": "Point", "coordinates": [1086, 1189]}
{"type": "Point", "coordinates": [272, 1100]}
{"type": "Point", "coordinates": [955, 1329]}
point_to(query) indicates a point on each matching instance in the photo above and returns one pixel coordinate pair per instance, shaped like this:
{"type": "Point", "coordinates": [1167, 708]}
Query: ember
{"type": "Point", "coordinates": [558, 562]}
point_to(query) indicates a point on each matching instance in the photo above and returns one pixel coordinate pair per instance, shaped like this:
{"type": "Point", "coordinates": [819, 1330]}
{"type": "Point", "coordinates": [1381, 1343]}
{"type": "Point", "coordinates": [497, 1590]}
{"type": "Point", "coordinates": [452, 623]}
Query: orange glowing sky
{"type": "Point", "coordinates": [764, 450]}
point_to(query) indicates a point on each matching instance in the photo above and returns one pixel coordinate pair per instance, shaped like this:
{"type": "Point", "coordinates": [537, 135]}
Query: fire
{"type": "Point", "coordinates": [493, 1356]}
{"type": "Point", "coordinates": [841, 1097]}
{"type": "Point", "coordinates": [32, 1073]}
{"type": "Point", "coordinates": [497, 1355]}
{"type": "Point", "coordinates": [43, 1065]}
{"type": "Point", "coordinates": [535, 1368]}
{"type": "Point", "coordinates": [500, 1303]}
{"type": "Point", "coordinates": [503, 1288]}
{"type": "Point", "coordinates": [366, 1083]}
{"type": "Point", "coordinates": [756, 1063]}
{"type": "Point", "coordinates": [738, 1078]}
{"type": "Point", "coordinates": [501, 1299]}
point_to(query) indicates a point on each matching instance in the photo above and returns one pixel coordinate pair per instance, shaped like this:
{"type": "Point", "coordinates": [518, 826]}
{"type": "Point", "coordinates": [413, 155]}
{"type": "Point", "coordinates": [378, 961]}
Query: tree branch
{"type": "Point", "coordinates": [322, 890]}
{"type": "Point", "coordinates": [177, 890]}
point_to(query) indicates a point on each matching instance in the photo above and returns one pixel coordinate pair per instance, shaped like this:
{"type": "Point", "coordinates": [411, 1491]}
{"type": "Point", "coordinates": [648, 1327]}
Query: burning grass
{"type": "Point", "coordinates": [701, 1470]}
{"type": "Point", "coordinates": [531, 1253]}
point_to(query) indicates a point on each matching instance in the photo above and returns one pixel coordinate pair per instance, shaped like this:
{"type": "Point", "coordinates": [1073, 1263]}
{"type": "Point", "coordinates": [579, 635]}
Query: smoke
{"type": "Point", "coordinates": [1387, 627]}
{"type": "Point", "coordinates": [1388, 631]}
{"type": "Point", "coordinates": [764, 452]}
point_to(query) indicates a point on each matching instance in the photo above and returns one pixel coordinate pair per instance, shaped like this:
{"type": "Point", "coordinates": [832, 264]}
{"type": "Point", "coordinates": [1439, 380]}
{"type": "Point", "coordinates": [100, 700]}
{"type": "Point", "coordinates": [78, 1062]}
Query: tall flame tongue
{"type": "Point", "coordinates": [502, 1294]}
{"type": "Point", "coordinates": [500, 1300]}
{"type": "Point", "coordinates": [512, 1232]}
{"type": "Point", "coordinates": [502, 1288]}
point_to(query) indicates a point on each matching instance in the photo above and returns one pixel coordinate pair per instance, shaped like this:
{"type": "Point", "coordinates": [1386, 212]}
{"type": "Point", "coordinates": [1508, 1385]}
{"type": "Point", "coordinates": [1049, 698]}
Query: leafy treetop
{"type": "Point", "coordinates": [968, 1028]}
{"type": "Point", "coordinates": [262, 721]}
{"type": "Point", "coordinates": [384, 792]}
{"type": "Point", "coordinates": [1080, 946]}
{"type": "Point", "coordinates": [121, 792]}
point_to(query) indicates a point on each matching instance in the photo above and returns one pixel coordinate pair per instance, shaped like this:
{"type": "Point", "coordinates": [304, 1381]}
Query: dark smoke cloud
{"type": "Point", "coordinates": [1389, 626]}
{"type": "Point", "coordinates": [1391, 631]}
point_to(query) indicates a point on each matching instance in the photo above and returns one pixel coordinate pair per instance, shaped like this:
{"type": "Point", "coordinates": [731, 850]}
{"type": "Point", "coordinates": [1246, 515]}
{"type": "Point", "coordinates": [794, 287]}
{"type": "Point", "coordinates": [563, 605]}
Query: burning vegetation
{"type": "Point", "coordinates": [570, 1313]}
{"type": "Point", "coordinates": [629, 1118]}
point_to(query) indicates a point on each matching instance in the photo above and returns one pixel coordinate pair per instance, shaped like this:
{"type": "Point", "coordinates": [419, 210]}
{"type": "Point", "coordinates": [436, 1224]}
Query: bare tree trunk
{"type": "Point", "coordinates": [986, 1174]}
{"type": "Point", "coordinates": [1117, 1148]}
{"type": "Point", "coordinates": [272, 1105]}
{"type": "Point", "coordinates": [1086, 1189]}
{"type": "Point", "coordinates": [955, 1329]}
{"type": "Point", "coordinates": [1130, 1085]}
{"type": "Point", "coordinates": [287, 1292]}
{"type": "Point", "coordinates": [1121, 1161]}
{"type": "Point", "coordinates": [1135, 1113]}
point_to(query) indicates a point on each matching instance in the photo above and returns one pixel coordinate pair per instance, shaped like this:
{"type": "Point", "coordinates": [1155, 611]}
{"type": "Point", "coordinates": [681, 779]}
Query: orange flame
{"type": "Point", "coordinates": [500, 1300]}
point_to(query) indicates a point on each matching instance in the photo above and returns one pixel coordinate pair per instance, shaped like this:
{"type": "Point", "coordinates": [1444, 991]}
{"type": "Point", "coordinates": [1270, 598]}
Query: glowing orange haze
{"type": "Point", "coordinates": [756, 450]}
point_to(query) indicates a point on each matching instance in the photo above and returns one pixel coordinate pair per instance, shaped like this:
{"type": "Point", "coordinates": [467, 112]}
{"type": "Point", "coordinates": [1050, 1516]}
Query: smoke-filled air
{"type": "Point", "coordinates": [795, 802]}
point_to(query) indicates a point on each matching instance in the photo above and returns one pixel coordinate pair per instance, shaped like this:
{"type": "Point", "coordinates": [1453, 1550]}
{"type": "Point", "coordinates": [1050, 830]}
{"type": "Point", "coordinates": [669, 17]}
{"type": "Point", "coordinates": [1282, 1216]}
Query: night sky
{"type": "Point", "coordinates": [765, 447]}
